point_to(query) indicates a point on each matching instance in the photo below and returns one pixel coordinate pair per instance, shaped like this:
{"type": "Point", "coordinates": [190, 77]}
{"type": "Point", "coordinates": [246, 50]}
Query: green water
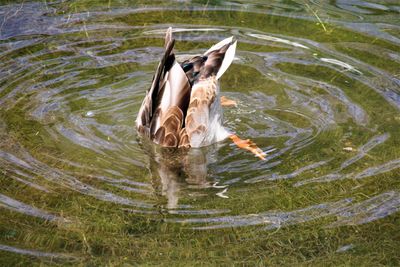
{"type": "Point", "coordinates": [317, 85]}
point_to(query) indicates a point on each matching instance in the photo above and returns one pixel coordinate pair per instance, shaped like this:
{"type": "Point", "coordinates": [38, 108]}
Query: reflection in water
{"type": "Point", "coordinates": [178, 168]}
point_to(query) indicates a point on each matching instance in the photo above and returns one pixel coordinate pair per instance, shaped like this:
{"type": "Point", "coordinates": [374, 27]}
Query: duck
{"type": "Point", "coordinates": [182, 108]}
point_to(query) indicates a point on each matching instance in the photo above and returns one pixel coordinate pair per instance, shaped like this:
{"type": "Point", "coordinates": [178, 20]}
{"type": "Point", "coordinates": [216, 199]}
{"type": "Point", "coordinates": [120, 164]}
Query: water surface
{"type": "Point", "coordinates": [317, 85]}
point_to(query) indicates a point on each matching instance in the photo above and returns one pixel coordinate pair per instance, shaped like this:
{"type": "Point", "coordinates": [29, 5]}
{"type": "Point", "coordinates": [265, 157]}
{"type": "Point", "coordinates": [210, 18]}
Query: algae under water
{"type": "Point", "coordinates": [317, 85]}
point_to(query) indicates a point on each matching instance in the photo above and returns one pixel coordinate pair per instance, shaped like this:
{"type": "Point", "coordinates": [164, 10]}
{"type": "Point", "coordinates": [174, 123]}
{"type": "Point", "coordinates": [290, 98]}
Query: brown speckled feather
{"type": "Point", "coordinates": [197, 119]}
{"type": "Point", "coordinates": [184, 139]}
{"type": "Point", "coordinates": [171, 125]}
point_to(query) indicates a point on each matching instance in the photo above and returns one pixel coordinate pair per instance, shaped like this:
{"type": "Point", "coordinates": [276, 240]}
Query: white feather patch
{"type": "Point", "coordinates": [219, 45]}
{"type": "Point", "coordinates": [229, 56]}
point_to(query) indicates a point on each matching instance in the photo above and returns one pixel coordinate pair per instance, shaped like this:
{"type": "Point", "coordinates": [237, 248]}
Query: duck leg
{"type": "Point", "coordinates": [226, 102]}
{"type": "Point", "coordinates": [248, 145]}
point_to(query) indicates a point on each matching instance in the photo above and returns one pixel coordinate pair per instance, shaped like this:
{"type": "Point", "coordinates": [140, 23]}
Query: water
{"type": "Point", "coordinates": [317, 85]}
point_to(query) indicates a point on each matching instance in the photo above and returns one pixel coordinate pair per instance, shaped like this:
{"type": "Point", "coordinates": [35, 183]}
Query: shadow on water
{"type": "Point", "coordinates": [316, 84]}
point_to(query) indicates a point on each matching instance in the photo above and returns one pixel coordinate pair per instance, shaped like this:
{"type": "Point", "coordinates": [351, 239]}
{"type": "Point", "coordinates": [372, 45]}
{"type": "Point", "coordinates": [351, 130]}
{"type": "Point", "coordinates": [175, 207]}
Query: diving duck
{"type": "Point", "coordinates": [182, 108]}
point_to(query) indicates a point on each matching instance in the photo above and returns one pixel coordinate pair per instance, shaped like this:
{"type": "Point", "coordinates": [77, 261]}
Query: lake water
{"type": "Point", "coordinates": [317, 85]}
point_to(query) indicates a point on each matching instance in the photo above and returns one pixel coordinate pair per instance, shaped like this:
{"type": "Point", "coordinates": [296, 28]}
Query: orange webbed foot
{"type": "Point", "coordinates": [248, 145]}
{"type": "Point", "coordinates": [226, 102]}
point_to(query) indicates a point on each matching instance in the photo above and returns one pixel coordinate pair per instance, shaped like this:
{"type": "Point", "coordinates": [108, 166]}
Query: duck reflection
{"type": "Point", "coordinates": [173, 170]}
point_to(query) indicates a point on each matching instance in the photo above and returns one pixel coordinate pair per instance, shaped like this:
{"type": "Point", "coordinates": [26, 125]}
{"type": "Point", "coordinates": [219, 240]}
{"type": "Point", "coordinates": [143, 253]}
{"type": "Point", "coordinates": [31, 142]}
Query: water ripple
{"type": "Point", "coordinates": [35, 253]}
{"type": "Point", "coordinates": [347, 213]}
{"type": "Point", "coordinates": [15, 205]}
{"type": "Point", "coordinates": [310, 80]}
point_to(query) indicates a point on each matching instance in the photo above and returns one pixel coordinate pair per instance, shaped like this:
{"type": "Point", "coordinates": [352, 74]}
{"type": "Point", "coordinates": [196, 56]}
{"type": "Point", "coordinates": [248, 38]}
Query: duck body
{"type": "Point", "coordinates": [182, 108]}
